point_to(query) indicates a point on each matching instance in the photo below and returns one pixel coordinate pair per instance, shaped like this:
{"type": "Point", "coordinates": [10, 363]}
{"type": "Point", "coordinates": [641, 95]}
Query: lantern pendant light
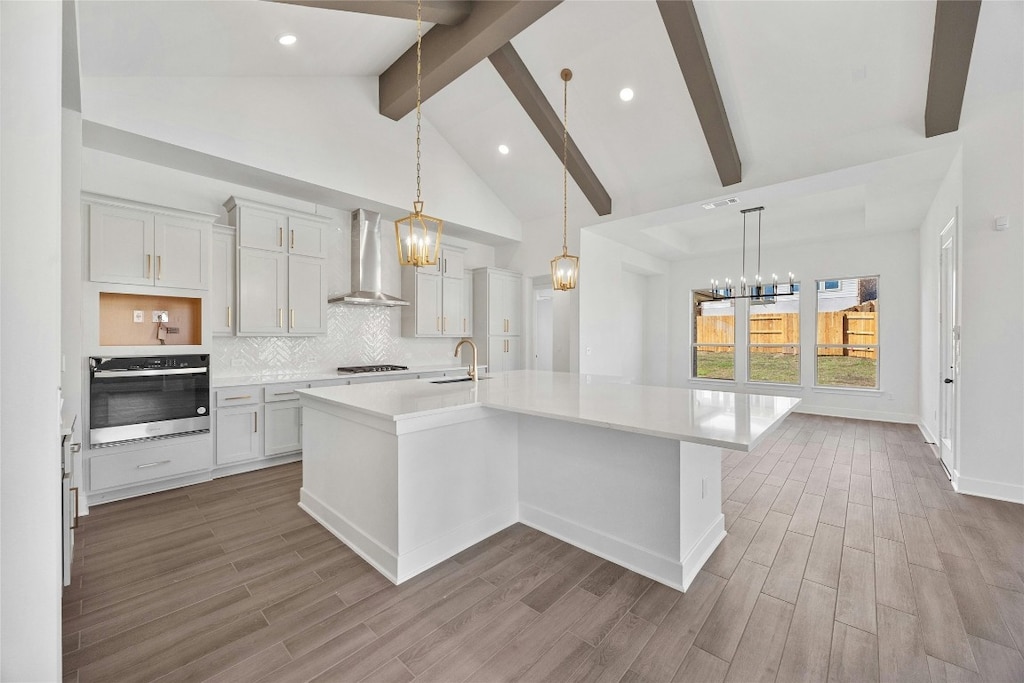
{"type": "Point", "coordinates": [565, 269]}
{"type": "Point", "coordinates": [418, 235]}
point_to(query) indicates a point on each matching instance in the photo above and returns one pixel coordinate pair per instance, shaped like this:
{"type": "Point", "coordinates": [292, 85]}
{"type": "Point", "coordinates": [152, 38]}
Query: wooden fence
{"type": "Point", "coordinates": [834, 327]}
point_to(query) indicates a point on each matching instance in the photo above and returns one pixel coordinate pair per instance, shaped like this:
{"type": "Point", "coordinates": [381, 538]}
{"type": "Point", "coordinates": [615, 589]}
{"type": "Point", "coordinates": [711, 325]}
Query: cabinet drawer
{"type": "Point", "coordinates": [283, 392]}
{"type": "Point", "coordinates": [238, 396]}
{"type": "Point", "coordinates": [135, 467]}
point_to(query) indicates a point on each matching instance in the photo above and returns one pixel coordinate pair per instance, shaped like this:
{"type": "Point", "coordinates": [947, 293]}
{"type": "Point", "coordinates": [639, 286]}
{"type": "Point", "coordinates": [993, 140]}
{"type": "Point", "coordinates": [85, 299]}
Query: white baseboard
{"type": "Point", "coordinates": [666, 570]}
{"type": "Point", "coordinates": [999, 490]}
{"type": "Point", "coordinates": [399, 567]}
{"type": "Point", "coordinates": [927, 433]}
{"type": "Point", "coordinates": [855, 414]}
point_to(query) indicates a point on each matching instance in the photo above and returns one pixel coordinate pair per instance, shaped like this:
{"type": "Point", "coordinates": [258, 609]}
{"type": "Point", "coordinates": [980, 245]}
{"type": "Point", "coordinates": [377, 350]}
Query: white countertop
{"type": "Point", "coordinates": [714, 418]}
{"type": "Point", "coordinates": [219, 381]}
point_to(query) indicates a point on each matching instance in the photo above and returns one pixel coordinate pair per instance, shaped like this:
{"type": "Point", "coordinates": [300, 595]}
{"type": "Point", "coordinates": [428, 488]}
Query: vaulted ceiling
{"type": "Point", "coordinates": [809, 88]}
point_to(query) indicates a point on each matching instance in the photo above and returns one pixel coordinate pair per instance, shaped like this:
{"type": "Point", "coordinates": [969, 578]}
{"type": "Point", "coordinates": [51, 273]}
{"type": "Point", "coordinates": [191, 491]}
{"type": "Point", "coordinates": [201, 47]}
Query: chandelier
{"type": "Point", "coordinates": [758, 290]}
{"type": "Point", "coordinates": [565, 269]}
{"type": "Point", "coordinates": [418, 235]}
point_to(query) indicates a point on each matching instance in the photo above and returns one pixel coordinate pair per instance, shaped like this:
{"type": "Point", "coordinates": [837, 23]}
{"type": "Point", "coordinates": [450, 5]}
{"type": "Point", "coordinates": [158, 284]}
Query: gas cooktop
{"type": "Point", "coordinates": [371, 368]}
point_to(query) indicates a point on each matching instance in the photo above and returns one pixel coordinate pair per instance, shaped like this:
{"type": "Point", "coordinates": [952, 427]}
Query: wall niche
{"type": "Point", "coordinates": [120, 323]}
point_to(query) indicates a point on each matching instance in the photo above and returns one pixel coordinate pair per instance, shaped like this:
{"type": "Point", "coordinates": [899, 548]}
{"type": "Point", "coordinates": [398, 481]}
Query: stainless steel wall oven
{"type": "Point", "coordinates": [148, 397]}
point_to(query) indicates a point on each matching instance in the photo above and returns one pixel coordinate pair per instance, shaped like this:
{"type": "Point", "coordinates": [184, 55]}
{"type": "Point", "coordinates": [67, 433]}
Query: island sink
{"type": "Point", "coordinates": [449, 380]}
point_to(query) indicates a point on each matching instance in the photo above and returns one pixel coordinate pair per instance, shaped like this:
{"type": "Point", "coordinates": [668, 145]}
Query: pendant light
{"type": "Point", "coordinates": [759, 289]}
{"type": "Point", "coordinates": [565, 269]}
{"type": "Point", "coordinates": [418, 235]}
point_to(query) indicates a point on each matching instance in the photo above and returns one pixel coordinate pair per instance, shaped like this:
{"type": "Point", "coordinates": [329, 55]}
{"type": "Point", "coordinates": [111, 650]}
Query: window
{"type": "Point", "coordinates": [774, 339]}
{"type": "Point", "coordinates": [846, 353]}
{"type": "Point", "coordinates": [714, 338]}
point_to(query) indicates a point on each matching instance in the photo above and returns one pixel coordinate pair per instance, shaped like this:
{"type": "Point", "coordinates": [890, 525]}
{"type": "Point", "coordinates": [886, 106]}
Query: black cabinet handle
{"type": "Point", "coordinates": [948, 380]}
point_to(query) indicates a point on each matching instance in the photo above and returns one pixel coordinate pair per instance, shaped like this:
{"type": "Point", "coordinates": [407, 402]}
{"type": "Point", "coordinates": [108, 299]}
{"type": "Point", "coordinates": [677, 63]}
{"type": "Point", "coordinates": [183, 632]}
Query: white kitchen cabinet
{"type": "Point", "coordinates": [262, 292]}
{"type": "Point", "coordinates": [497, 314]}
{"type": "Point", "coordinates": [284, 427]}
{"type": "Point", "coordinates": [141, 244]}
{"type": "Point", "coordinates": [436, 300]}
{"type": "Point", "coordinates": [282, 269]}
{"type": "Point", "coordinates": [238, 433]}
{"type": "Point", "coordinates": [272, 228]}
{"type": "Point", "coordinates": [307, 295]}
{"type": "Point", "coordinates": [222, 288]}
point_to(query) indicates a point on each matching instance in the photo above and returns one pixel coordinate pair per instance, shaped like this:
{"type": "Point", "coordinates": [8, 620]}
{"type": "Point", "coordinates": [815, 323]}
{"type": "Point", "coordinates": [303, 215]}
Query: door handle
{"type": "Point", "coordinates": [279, 323]}
{"type": "Point", "coordinates": [159, 267]}
{"type": "Point", "coordinates": [293, 239]}
{"type": "Point", "coordinates": [291, 318]}
{"type": "Point", "coordinates": [280, 236]}
{"type": "Point", "coordinates": [149, 265]}
{"type": "Point", "coordinates": [947, 381]}
{"type": "Point", "coordinates": [229, 316]}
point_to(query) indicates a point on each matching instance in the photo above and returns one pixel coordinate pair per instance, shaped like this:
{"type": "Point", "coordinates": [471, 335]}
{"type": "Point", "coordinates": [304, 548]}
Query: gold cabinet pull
{"type": "Point", "coordinates": [291, 318]}
{"type": "Point", "coordinates": [74, 524]}
{"type": "Point", "coordinates": [279, 323]}
{"type": "Point", "coordinates": [280, 236]}
{"type": "Point", "coordinates": [159, 267]}
{"type": "Point", "coordinates": [255, 422]}
{"type": "Point", "coordinates": [463, 324]}
{"type": "Point", "coordinates": [445, 268]}
{"type": "Point", "coordinates": [444, 324]}
{"type": "Point", "coordinates": [229, 316]}
{"type": "Point", "coordinates": [237, 398]}
{"type": "Point", "coordinates": [149, 265]}
{"type": "Point", "coordinates": [292, 239]}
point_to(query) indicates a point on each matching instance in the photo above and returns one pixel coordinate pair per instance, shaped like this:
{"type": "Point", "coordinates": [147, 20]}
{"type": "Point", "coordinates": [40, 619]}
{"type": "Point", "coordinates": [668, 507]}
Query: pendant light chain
{"type": "Point", "coordinates": [418, 204]}
{"type": "Point", "coordinates": [565, 163]}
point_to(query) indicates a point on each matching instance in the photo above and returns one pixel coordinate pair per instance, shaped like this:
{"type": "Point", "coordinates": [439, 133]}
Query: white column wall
{"type": "Point", "coordinates": [30, 303]}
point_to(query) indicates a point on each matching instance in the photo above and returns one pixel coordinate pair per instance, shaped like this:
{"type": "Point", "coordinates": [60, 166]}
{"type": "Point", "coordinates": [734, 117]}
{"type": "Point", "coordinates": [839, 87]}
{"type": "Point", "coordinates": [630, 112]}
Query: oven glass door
{"type": "Point", "coordinates": [134, 404]}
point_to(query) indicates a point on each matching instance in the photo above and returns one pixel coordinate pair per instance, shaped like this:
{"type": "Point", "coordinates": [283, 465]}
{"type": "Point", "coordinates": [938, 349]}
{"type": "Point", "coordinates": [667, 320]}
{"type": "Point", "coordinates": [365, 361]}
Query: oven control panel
{"type": "Point", "coordinates": [150, 362]}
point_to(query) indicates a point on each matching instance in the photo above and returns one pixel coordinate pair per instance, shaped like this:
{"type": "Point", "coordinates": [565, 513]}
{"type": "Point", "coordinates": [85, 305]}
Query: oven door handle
{"type": "Point", "coordinates": [150, 373]}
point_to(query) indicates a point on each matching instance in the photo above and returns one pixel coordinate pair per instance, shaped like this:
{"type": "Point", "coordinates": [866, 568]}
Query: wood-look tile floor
{"type": "Point", "coordinates": [848, 557]}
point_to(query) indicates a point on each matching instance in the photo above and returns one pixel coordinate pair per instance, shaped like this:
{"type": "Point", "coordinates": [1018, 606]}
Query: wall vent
{"type": "Point", "coordinates": [729, 201]}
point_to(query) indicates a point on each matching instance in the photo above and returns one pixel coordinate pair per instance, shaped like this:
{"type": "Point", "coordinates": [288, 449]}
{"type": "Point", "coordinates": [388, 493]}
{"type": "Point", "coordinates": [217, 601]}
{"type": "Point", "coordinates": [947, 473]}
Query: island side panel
{"type": "Point", "coordinates": [613, 493]}
{"type": "Point", "coordinates": [701, 522]}
{"type": "Point", "coordinates": [457, 485]}
{"type": "Point", "coordinates": [350, 485]}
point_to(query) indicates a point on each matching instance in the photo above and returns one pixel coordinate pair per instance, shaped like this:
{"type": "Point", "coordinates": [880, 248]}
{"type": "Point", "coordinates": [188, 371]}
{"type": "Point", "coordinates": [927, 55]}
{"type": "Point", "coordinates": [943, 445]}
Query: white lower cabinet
{"type": "Point", "coordinates": [284, 427]}
{"type": "Point", "coordinates": [503, 354]}
{"type": "Point", "coordinates": [238, 434]}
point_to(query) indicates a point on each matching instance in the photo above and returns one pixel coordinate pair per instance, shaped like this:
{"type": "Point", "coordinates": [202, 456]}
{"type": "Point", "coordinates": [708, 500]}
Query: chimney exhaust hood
{"type": "Point", "coordinates": [366, 264]}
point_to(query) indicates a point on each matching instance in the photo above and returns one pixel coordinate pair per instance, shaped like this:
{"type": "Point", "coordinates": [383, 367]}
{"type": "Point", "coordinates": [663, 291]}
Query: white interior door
{"type": "Point", "coordinates": [949, 351]}
{"type": "Point", "coordinates": [543, 330]}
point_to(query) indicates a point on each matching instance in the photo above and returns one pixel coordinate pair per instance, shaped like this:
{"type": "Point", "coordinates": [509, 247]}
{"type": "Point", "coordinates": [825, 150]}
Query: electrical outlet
{"type": "Point", "coordinates": [138, 316]}
{"type": "Point", "coordinates": [311, 359]}
{"type": "Point", "coordinates": [159, 316]}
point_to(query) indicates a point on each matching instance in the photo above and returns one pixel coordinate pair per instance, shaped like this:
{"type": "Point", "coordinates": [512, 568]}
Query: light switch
{"type": "Point", "coordinates": [138, 316]}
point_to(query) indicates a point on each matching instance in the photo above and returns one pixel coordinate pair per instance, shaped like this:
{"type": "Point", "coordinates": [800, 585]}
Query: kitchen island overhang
{"type": "Point", "coordinates": [409, 473]}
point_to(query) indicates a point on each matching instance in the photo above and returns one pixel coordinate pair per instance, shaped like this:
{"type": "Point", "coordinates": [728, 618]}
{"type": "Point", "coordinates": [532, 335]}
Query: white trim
{"type": "Point", "coordinates": [927, 433]}
{"type": "Point", "coordinates": [847, 391]}
{"type": "Point", "coordinates": [378, 555]}
{"type": "Point", "coordinates": [857, 414]}
{"type": "Point", "coordinates": [997, 490]}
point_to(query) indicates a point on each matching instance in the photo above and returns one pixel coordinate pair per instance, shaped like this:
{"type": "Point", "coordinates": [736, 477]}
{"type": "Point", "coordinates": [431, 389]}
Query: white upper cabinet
{"type": "Point", "coordinates": [503, 301]}
{"type": "Point", "coordinates": [436, 298]}
{"type": "Point", "coordinates": [271, 228]}
{"type": "Point", "coordinates": [139, 244]}
{"type": "Point", "coordinates": [222, 289]}
{"type": "Point", "coordinates": [282, 269]}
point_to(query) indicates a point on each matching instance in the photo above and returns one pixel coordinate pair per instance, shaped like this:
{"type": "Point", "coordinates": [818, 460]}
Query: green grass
{"type": "Point", "coordinates": [715, 365]}
{"type": "Point", "coordinates": [782, 368]}
{"type": "Point", "coordinates": [833, 371]}
{"type": "Point", "coordinates": [843, 371]}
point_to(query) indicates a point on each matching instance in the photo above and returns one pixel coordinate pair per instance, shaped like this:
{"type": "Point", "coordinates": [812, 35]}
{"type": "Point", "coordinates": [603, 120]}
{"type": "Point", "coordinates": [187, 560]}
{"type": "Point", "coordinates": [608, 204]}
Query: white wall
{"type": "Point", "coordinates": [947, 202]}
{"type": "Point", "coordinates": [72, 370]}
{"type": "Point", "coordinates": [324, 131]}
{"type": "Point", "coordinates": [30, 216]}
{"type": "Point", "coordinates": [356, 335]}
{"type": "Point", "coordinates": [610, 309]}
{"type": "Point", "coordinates": [992, 328]}
{"type": "Point", "coordinates": [893, 257]}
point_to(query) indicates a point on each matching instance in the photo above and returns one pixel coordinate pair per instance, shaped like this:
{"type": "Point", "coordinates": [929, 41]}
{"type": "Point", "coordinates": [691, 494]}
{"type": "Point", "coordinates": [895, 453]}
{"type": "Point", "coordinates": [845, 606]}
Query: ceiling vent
{"type": "Point", "coordinates": [729, 201]}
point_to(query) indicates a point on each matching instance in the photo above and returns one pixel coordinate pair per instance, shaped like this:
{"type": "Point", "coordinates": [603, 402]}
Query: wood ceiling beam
{"type": "Point", "coordinates": [450, 51]}
{"type": "Point", "coordinates": [517, 77]}
{"type": "Point", "coordinates": [956, 22]}
{"type": "Point", "coordinates": [680, 19]}
{"type": "Point", "coordinates": [448, 12]}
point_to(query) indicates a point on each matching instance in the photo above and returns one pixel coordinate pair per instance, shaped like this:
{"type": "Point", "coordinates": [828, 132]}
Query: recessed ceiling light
{"type": "Point", "coordinates": [503, 149]}
{"type": "Point", "coordinates": [287, 39]}
{"type": "Point", "coordinates": [626, 94]}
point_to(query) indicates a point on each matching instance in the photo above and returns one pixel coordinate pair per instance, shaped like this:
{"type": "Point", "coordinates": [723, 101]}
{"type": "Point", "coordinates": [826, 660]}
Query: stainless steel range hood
{"type": "Point", "coordinates": [366, 264]}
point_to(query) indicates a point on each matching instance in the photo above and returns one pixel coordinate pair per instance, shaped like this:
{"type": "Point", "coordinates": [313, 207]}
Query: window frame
{"type": "Point", "coordinates": [694, 303]}
{"type": "Point", "coordinates": [877, 346]}
{"type": "Point", "coordinates": [799, 344]}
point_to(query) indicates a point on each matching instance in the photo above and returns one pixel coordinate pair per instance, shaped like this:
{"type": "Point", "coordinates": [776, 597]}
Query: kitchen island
{"type": "Point", "coordinates": [409, 473]}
